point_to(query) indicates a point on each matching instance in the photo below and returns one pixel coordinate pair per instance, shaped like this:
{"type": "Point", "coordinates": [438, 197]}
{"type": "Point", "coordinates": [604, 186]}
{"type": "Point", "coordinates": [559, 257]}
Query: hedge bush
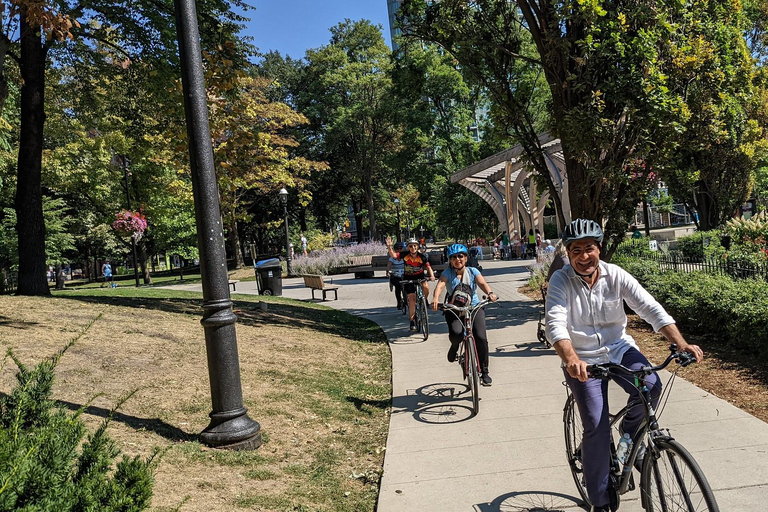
{"type": "Point", "coordinates": [732, 311]}
{"type": "Point", "coordinates": [47, 463]}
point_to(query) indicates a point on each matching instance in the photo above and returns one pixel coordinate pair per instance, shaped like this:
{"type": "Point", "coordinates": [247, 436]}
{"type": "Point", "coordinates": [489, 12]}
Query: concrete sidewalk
{"type": "Point", "coordinates": [511, 456]}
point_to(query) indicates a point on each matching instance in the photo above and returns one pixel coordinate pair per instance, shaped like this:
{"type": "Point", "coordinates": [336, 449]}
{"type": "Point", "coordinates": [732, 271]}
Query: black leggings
{"type": "Point", "coordinates": [456, 334]}
{"type": "Point", "coordinates": [396, 285]}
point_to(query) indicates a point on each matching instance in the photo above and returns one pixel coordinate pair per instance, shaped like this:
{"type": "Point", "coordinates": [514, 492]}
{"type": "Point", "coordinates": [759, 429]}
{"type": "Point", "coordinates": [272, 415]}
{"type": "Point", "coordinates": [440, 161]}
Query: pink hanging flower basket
{"type": "Point", "coordinates": [128, 223]}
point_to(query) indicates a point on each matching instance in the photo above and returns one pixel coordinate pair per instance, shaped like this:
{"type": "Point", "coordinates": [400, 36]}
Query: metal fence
{"type": "Point", "coordinates": [710, 265]}
{"type": "Point", "coordinates": [9, 282]}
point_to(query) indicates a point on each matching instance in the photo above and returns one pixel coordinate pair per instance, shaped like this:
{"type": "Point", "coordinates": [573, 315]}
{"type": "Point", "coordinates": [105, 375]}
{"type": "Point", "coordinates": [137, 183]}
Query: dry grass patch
{"type": "Point", "coordinates": [317, 380]}
{"type": "Point", "coordinates": [734, 376]}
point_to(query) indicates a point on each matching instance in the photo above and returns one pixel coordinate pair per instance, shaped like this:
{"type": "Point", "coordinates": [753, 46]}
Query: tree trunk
{"type": "Point", "coordinates": [368, 187]}
{"type": "Point", "coordinates": [143, 263]}
{"type": "Point", "coordinates": [59, 277]}
{"type": "Point", "coordinates": [30, 225]}
{"type": "Point", "coordinates": [233, 237]}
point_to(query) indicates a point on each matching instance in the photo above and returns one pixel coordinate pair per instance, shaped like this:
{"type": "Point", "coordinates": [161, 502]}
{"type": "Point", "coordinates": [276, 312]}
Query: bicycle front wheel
{"type": "Point", "coordinates": [574, 432]}
{"type": "Point", "coordinates": [424, 318]}
{"type": "Point", "coordinates": [472, 374]}
{"type": "Point", "coordinates": [672, 481]}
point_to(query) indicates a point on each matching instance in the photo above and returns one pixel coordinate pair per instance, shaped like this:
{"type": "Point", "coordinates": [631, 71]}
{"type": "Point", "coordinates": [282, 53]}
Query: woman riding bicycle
{"type": "Point", "coordinates": [586, 324]}
{"type": "Point", "coordinates": [416, 265]}
{"type": "Point", "coordinates": [459, 278]}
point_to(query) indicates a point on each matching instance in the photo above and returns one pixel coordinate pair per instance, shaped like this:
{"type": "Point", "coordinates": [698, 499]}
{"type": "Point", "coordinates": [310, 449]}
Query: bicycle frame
{"type": "Point", "coordinates": [649, 427]}
{"type": "Point", "coordinates": [467, 316]}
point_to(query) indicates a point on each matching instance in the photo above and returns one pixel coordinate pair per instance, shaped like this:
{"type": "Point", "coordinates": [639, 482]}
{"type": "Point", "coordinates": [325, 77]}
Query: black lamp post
{"type": "Point", "coordinates": [124, 160]}
{"type": "Point", "coordinates": [284, 199]}
{"type": "Point", "coordinates": [230, 426]}
{"type": "Point", "coordinates": [397, 206]}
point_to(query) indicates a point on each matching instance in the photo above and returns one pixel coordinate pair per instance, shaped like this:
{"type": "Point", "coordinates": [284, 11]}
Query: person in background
{"type": "Point", "coordinates": [530, 244]}
{"type": "Point", "coordinates": [517, 245]}
{"type": "Point", "coordinates": [106, 270]}
{"type": "Point", "coordinates": [303, 245]}
{"type": "Point", "coordinates": [395, 269]}
{"type": "Point", "coordinates": [636, 233]}
{"type": "Point", "coordinates": [505, 246]}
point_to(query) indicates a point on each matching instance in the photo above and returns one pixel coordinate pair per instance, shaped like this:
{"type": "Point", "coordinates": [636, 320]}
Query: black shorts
{"type": "Point", "coordinates": [410, 287]}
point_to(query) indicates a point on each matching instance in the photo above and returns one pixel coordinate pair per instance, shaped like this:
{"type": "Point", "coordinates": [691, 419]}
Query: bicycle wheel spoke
{"type": "Point", "coordinates": [676, 483]}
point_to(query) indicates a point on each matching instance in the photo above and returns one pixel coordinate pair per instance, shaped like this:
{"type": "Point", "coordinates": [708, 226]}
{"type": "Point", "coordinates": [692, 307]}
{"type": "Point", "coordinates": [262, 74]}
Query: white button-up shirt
{"type": "Point", "coordinates": [593, 318]}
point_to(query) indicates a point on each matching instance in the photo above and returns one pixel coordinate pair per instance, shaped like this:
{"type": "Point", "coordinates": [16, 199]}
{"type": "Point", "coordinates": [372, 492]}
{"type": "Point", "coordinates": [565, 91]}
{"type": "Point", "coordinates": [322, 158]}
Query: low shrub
{"type": "Point", "coordinates": [733, 311]}
{"type": "Point", "coordinates": [690, 245]}
{"type": "Point", "coordinates": [46, 461]}
{"type": "Point", "coordinates": [326, 261]}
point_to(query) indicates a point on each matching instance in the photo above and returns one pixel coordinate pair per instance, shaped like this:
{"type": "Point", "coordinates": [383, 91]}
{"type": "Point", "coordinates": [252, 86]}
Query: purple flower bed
{"type": "Point", "coordinates": [325, 261]}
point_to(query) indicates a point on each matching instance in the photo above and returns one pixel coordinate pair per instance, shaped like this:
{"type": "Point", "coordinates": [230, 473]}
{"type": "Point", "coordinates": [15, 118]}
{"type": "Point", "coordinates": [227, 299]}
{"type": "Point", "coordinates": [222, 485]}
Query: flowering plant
{"type": "Point", "coordinates": [128, 223]}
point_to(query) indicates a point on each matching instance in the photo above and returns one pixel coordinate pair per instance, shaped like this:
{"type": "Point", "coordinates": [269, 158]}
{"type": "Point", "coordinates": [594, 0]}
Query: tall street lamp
{"type": "Point", "coordinates": [133, 238]}
{"type": "Point", "coordinates": [397, 206]}
{"type": "Point", "coordinates": [230, 425]}
{"type": "Point", "coordinates": [284, 199]}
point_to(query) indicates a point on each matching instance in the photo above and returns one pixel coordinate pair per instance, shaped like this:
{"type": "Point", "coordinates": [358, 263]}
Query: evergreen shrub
{"type": "Point", "coordinates": [732, 311]}
{"type": "Point", "coordinates": [49, 462]}
{"type": "Point", "coordinates": [690, 245]}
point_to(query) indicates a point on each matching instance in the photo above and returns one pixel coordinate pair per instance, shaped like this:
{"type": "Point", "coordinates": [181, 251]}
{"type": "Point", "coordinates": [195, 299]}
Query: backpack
{"type": "Point", "coordinates": [462, 294]}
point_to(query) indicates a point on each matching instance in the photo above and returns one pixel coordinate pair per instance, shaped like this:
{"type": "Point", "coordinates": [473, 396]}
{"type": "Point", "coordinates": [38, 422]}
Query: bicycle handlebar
{"type": "Point", "coordinates": [604, 370]}
{"type": "Point", "coordinates": [465, 309]}
{"type": "Point", "coordinates": [414, 281]}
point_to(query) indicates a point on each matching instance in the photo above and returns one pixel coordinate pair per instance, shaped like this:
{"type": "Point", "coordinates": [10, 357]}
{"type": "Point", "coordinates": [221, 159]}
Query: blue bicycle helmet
{"type": "Point", "coordinates": [457, 249]}
{"type": "Point", "coordinates": [582, 228]}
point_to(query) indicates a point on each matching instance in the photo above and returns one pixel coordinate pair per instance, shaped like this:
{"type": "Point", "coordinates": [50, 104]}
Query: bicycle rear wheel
{"type": "Point", "coordinates": [672, 481]}
{"type": "Point", "coordinates": [573, 434]}
{"type": "Point", "coordinates": [472, 373]}
{"type": "Point", "coordinates": [424, 318]}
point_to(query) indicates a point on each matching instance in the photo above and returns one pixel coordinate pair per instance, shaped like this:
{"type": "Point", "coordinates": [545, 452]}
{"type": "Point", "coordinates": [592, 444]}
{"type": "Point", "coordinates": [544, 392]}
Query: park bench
{"type": "Point", "coordinates": [316, 282]}
{"type": "Point", "coordinates": [367, 271]}
{"type": "Point", "coordinates": [233, 282]}
{"type": "Point", "coordinates": [435, 259]}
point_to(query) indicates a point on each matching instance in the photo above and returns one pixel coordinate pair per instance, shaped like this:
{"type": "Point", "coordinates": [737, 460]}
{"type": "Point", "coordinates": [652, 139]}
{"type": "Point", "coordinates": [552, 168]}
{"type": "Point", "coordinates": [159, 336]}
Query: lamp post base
{"type": "Point", "coordinates": [232, 430]}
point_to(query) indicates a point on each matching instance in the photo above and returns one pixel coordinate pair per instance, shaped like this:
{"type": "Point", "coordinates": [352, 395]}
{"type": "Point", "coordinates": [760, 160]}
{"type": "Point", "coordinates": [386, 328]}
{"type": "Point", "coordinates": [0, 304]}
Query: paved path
{"type": "Point", "coordinates": [511, 456]}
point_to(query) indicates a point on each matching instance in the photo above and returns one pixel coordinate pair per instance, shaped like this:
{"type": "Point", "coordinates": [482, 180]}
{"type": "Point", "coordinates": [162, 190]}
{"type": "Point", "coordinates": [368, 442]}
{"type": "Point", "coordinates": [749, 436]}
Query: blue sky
{"type": "Point", "coordinates": [294, 26]}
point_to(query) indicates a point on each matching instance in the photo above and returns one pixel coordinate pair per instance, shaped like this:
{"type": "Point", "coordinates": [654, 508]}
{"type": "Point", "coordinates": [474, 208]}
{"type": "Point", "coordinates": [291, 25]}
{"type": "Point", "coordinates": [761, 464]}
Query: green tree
{"type": "Point", "coordinates": [348, 100]}
{"type": "Point", "coordinates": [614, 72]}
{"type": "Point", "coordinates": [33, 30]}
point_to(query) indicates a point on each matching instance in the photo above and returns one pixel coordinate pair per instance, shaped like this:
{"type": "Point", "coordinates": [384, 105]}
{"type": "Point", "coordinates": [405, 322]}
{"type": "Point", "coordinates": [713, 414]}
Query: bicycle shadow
{"type": "Point", "coordinates": [522, 349]}
{"type": "Point", "coordinates": [438, 404]}
{"type": "Point", "coordinates": [532, 501]}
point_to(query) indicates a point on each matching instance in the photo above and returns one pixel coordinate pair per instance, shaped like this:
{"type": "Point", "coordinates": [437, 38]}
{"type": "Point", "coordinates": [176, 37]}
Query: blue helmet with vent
{"type": "Point", "coordinates": [457, 249]}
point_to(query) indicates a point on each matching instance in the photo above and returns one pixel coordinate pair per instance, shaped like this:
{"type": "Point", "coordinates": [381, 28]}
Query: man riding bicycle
{"type": "Point", "coordinates": [586, 323]}
{"type": "Point", "coordinates": [416, 265]}
{"type": "Point", "coordinates": [459, 278]}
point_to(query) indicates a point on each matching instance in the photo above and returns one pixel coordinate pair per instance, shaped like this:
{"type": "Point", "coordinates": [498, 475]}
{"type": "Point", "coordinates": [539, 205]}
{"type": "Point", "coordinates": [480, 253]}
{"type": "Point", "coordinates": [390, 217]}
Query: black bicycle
{"type": "Point", "coordinates": [670, 478]}
{"type": "Point", "coordinates": [541, 334]}
{"type": "Point", "coordinates": [421, 316]}
{"type": "Point", "coordinates": [467, 354]}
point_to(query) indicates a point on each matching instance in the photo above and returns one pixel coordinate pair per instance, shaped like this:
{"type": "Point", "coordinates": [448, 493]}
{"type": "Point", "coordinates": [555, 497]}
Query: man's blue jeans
{"type": "Point", "coordinates": [592, 399]}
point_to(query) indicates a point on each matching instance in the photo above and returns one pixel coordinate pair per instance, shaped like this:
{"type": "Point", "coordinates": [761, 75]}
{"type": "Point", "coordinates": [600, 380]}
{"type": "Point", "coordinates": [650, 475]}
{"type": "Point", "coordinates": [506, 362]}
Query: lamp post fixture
{"type": "Point", "coordinates": [284, 199]}
{"type": "Point", "coordinates": [397, 206]}
{"type": "Point", "coordinates": [124, 160]}
{"type": "Point", "coordinates": [230, 425]}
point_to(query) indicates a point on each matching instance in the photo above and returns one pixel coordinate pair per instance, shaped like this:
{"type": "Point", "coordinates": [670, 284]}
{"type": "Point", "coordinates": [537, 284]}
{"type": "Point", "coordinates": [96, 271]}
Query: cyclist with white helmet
{"type": "Point", "coordinates": [416, 266]}
{"type": "Point", "coordinates": [459, 278]}
{"type": "Point", "coordinates": [586, 323]}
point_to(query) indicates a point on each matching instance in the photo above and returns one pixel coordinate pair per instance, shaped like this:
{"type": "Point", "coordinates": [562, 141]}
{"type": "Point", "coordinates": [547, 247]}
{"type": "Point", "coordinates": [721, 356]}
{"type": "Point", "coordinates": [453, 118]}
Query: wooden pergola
{"type": "Point", "coordinates": [504, 182]}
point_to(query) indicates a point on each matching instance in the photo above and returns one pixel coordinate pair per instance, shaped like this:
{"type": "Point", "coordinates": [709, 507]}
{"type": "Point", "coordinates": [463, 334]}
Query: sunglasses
{"type": "Point", "coordinates": [455, 256]}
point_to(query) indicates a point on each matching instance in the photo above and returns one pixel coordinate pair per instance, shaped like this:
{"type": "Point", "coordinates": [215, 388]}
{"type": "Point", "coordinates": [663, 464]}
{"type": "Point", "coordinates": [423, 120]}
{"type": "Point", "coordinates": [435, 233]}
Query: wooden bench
{"type": "Point", "coordinates": [316, 282]}
{"type": "Point", "coordinates": [435, 259]}
{"type": "Point", "coordinates": [367, 271]}
{"type": "Point", "coordinates": [233, 282]}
